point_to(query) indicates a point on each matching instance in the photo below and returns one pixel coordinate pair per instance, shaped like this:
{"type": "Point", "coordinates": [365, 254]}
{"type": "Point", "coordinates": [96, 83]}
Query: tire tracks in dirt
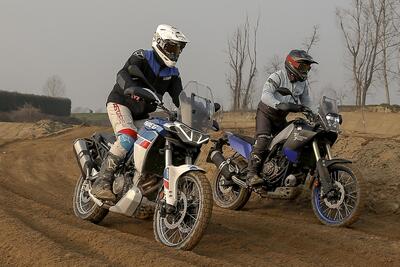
{"type": "Point", "coordinates": [37, 178]}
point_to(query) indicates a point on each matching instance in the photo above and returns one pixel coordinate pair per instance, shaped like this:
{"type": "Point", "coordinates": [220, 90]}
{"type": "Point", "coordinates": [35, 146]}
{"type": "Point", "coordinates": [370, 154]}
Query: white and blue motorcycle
{"type": "Point", "coordinates": [159, 176]}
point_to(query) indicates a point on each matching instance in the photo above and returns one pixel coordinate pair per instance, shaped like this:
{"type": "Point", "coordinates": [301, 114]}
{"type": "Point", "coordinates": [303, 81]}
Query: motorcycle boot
{"type": "Point", "coordinates": [101, 188]}
{"type": "Point", "coordinates": [254, 166]}
{"type": "Point", "coordinates": [260, 149]}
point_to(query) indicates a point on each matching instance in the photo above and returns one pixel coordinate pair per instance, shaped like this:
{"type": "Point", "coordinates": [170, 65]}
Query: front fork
{"type": "Point", "coordinates": [322, 166]}
{"type": "Point", "coordinates": [171, 176]}
{"type": "Point", "coordinates": [318, 154]}
{"type": "Point", "coordinates": [169, 182]}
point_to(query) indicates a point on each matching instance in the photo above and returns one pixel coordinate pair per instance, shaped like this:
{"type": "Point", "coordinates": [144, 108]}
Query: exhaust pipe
{"type": "Point", "coordinates": [227, 169]}
{"type": "Point", "coordinates": [83, 156]}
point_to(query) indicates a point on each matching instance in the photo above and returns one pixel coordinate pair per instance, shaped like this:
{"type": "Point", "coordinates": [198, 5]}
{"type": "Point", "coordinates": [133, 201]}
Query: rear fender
{"type": "Point", "coordinates": [240, 146]}
{"type": "Point", "coordinates": [171, 176]}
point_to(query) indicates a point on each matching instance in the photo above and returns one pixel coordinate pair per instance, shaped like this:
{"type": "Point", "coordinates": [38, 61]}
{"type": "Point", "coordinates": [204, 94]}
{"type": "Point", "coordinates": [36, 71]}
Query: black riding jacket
{"type": "Point", "coordinates": [143, 69]}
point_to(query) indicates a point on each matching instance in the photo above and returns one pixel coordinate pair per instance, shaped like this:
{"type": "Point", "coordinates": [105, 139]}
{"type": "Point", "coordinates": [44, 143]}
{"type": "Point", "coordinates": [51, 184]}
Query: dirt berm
{"type": "Point", "coordinates": [38, 227]}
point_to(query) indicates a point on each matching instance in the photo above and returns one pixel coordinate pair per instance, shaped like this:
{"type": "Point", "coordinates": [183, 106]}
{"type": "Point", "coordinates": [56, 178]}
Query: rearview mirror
{"type": "Point", "coordinates": [217, 107]}
{"type": "Point", "coordinates": [215, 126]}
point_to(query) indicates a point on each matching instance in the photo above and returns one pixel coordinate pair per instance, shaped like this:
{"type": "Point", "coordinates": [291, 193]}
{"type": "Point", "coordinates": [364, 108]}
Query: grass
{"type": "Point", "coordinates": [92, 118]}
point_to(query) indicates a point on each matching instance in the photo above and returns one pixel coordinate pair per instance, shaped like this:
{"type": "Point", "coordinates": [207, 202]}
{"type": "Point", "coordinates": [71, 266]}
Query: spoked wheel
{"type": "Point", "coordinates": [344, 209]}
{"type": "Point", "coordinates": [233, 196]}
{"type": "Point", "coordinates": [184, 228]}
{"type": "Point", "coordinates": [84, 207]}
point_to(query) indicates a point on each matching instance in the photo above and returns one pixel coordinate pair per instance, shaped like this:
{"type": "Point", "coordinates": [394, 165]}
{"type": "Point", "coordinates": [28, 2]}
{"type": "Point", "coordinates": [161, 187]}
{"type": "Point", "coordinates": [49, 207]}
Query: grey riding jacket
{"type": "Point", "coordinates": [300, 91]}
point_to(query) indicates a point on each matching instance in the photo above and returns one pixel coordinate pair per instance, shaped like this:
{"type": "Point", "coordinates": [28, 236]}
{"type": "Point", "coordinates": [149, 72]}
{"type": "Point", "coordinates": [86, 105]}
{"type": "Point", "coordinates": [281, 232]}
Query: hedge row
{"type": "Point", "coordinates": [10, 101]}
{"type": "Point", "coordinates": [371, 108]}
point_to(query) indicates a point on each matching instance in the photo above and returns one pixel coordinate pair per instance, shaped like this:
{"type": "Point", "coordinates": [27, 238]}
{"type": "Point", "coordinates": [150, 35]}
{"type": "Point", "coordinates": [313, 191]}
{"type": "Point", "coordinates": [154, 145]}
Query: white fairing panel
{"type": "Point", "coordinates": [171, 175]}
{"type": "Point", "coordinates": [142, 147]}
{"type": "Point", "coordinates": [283, 135]}
{"type": "Point", "coordinates": [139, 156]}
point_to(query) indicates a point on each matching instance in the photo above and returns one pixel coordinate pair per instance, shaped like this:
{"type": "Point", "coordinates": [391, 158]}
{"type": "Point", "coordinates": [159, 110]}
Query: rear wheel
{"type": "Point", "coordinates": [231, 197]}
{"type": "Point", "coordinates": [84, 207]}
{"type": "Point", "coordinates": [346, 207]}
{"type": "Point", "coordinates": [184, 228]}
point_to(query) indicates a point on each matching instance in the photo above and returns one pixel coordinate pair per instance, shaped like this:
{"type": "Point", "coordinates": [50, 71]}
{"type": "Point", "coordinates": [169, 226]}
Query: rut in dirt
{"type": "Point", "coordinates": [38, 226]}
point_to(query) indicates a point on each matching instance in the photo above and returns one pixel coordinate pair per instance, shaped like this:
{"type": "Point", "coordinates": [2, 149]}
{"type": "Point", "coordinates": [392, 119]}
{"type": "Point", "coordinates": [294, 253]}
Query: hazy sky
{"type": "Point", "coordinates": [87, 42]}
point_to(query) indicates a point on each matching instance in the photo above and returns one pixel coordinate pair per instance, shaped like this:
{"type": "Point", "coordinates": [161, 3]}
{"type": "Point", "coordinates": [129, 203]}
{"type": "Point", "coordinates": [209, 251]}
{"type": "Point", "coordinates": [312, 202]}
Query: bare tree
{"type": "Point", "coordinates": [313, 40]}
{"type": "Point", "coordinates": [54, 86]}
{"type": "Point", "coordinates": [309, 43]}
{"type": "Point", "coordinates": [242, 59]}
{"type": "Point", "coordinates": [274, 64]}
{"type": "Point", "coordinates": [389, 44]}
{"type": "Point", "coordinates": [361, 28]}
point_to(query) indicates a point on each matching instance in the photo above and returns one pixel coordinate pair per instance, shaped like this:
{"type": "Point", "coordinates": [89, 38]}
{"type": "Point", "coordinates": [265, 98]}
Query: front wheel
{"type": "Point", "coordinates": [346, 207]}
{"type": "Point", "coordinates": [184, 228]}
{"type": "Point", "coordinates": [84, 207]}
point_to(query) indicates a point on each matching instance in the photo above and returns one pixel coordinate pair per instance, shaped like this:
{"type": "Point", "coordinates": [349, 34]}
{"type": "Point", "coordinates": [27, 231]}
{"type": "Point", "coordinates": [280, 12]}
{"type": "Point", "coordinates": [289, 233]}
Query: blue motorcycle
{"type": "Point", "coordinates": [300, 155]}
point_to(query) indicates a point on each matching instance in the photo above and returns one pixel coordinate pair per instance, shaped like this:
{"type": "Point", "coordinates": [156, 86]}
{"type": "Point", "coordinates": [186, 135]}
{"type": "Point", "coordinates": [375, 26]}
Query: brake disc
{"type": "Point", "coordinates": [339, 202]}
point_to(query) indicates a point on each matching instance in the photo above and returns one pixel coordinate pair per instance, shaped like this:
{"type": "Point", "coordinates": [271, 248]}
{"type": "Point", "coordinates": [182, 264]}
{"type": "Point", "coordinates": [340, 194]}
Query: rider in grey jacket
{"type": "Point", "coordinates": [273, 107]}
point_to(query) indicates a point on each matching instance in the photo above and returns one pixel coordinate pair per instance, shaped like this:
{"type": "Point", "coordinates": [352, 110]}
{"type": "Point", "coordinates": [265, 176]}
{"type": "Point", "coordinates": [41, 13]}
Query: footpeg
{"type": "Point", "coordinates": [227, 182]}
{"type": "Point", "coordinates": [239, 182]}
{"type": "Point", "coordinates": [96, 200]}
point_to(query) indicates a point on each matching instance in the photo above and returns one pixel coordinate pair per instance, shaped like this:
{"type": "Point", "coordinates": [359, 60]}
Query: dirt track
{"type": "Point", "coordinates": [37, 225]}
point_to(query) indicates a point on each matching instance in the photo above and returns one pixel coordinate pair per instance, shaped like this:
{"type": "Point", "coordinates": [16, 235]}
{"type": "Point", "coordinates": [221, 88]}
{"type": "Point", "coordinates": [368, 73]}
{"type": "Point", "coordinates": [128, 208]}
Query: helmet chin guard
{"type": "Point", "coordinates": [168, 42]}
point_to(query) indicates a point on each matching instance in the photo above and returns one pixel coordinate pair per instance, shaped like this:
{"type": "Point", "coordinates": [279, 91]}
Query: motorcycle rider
{"type": "Point", "coordinates": [273, 107]}
{"type": "Point", "coordinates": [154, 69]}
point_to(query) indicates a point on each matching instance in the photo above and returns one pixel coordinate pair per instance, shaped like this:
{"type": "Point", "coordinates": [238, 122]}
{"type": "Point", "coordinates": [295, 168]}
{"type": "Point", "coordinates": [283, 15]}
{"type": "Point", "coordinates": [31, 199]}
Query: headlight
{"type": "Point", "coordinates": [191, 136]}
{"type": "Point", "coordinates": [333, 121]}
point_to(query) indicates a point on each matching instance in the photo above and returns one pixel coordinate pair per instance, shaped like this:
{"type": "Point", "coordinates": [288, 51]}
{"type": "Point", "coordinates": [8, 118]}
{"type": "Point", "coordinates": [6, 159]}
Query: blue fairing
{"type": "Point", "coordinates": [291, 155]}
{"type": "Point", "coordinates": [240, 146]}
{"type": "Point", "coordinates": [156, 124]}
{"type": "Point", "coordinates": [149, 135]}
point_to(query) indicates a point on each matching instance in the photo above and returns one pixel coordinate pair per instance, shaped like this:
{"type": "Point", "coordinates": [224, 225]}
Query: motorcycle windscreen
{"type": "Point", "coordinates": [328, 106]}
{"type": "Point", "coordinates": [196, 106]}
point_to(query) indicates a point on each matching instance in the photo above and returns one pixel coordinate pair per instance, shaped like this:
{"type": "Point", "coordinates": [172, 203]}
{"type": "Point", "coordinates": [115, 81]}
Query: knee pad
{"type": "Point", "coordinates": [126, 141]}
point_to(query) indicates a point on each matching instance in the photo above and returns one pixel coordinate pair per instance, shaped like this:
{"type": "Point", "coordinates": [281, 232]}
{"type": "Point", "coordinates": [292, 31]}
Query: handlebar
{"type": "Point", "coordinates": [172, 115]}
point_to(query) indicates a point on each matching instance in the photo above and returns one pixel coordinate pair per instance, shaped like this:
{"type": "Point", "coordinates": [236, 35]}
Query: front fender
{"type": "Point", "coordinates": [330, 162]}
{"type": "Point", "coordinates": [171, 176]}
{"type": "Point", "coordinates": [323, 171]}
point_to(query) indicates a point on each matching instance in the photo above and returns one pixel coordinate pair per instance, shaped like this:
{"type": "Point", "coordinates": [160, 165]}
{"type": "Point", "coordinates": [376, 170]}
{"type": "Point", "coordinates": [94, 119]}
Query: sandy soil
{"type": "Point", "coordinates": [38, 227]}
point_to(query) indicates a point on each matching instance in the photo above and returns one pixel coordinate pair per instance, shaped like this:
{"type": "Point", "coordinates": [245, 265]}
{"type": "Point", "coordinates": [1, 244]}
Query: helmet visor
{"type": "Point", "coordinates": [173, 49]}
{"type": "Point", "coordinates": [304, 68]}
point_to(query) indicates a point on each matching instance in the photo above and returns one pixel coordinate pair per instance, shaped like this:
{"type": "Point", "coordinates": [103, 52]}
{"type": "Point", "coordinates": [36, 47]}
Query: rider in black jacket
{"type": "Point", "coordinates": [153, 69]}
{"type": "Point", "coordinates": [145, 69]}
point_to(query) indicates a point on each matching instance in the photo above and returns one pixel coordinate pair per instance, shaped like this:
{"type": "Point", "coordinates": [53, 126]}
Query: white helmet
{"type": "Point", "coordinates": [168, 42]}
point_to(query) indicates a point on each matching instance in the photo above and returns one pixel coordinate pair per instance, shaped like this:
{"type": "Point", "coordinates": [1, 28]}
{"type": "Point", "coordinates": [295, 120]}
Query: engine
{"type": "Point", "coordinates": [122, 183]}
{"type": "Point", "coordinates": [274, 169]}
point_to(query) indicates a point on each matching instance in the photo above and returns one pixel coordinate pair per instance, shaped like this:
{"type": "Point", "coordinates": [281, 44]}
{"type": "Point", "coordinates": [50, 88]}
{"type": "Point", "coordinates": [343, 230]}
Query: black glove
{"type": "Point", "coordinates": [290, 107]}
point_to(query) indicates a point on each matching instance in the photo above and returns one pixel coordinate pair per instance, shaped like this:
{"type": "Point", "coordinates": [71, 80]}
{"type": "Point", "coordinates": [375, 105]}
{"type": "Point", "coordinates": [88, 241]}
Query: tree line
{"type": "Point", "coordinates": [371, 34]}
